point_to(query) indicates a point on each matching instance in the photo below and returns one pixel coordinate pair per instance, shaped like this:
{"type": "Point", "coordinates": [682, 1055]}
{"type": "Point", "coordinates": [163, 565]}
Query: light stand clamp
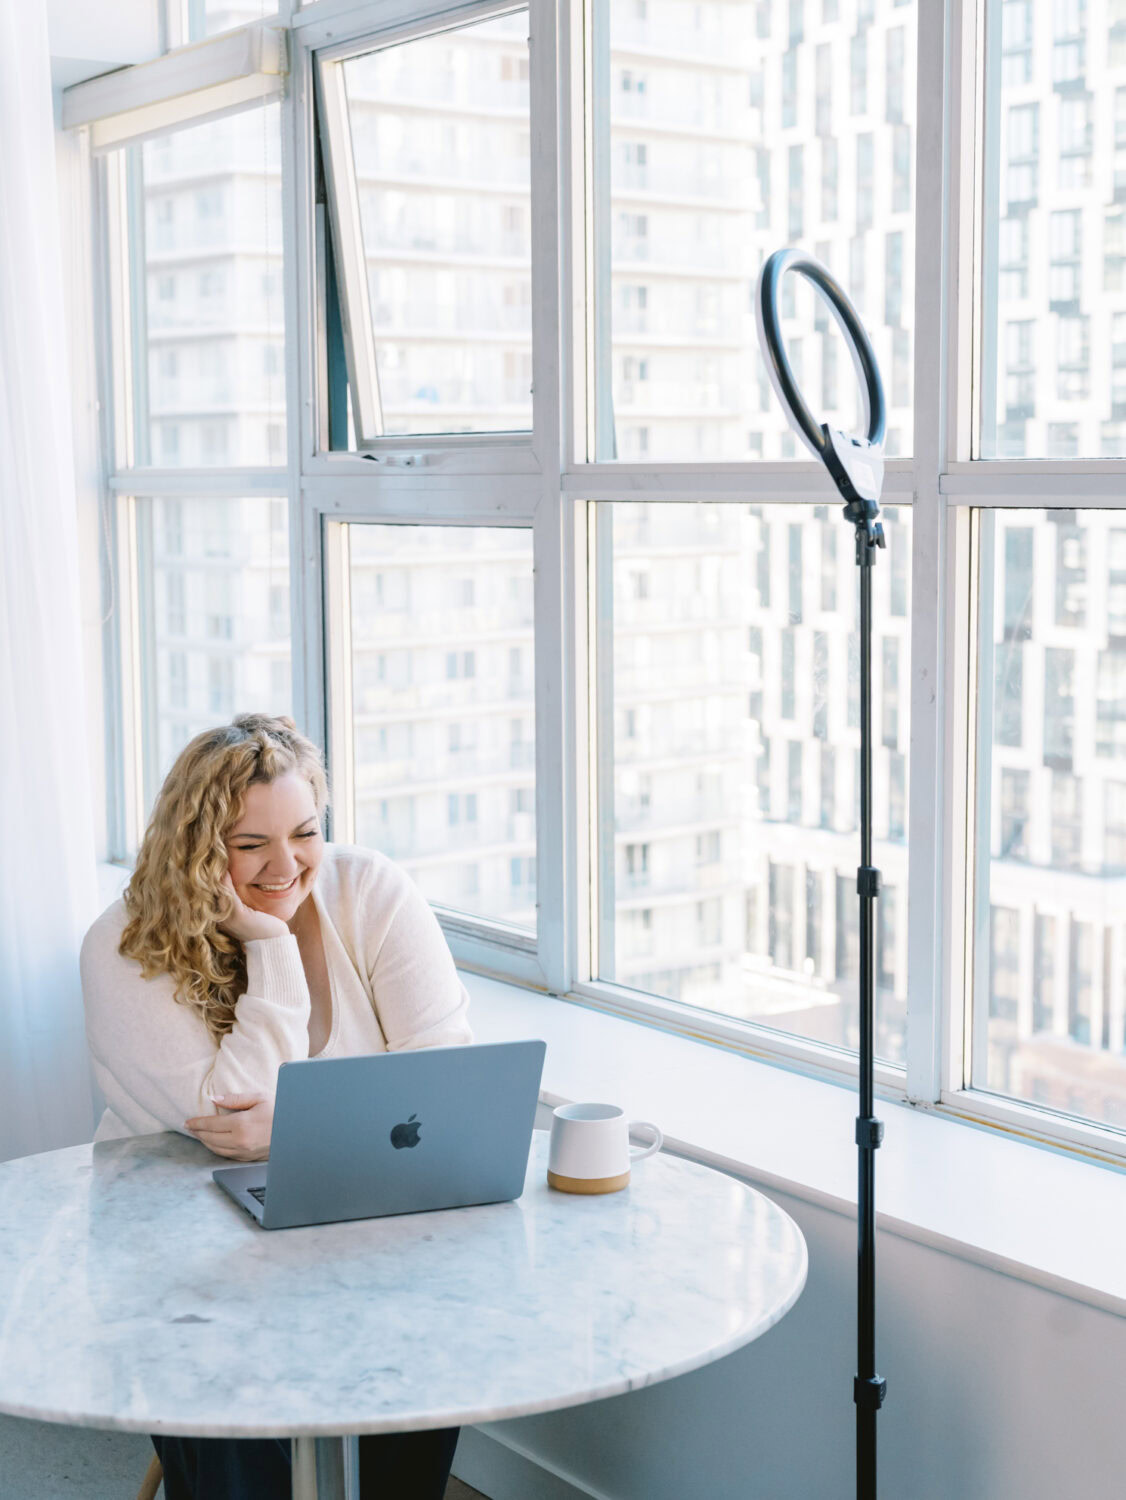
{"type": "Point", "coordinates": [856, 465]}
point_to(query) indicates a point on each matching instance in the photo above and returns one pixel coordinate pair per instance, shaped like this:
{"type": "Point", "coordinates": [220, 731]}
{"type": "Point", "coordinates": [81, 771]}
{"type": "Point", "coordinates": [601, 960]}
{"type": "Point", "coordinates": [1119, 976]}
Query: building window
{"type": "Point", "coordinates": [1059, 707]}
{"type": "Point", "coordinates": [1071, 571]}
{"type": "Point", "coordinates": [858, 73]}
{"type": "Point", "coordinates": [1073, 359]}
{"type": "Point", "coordinates": [1081, 981]}
{"type": "Point", "coordinates": [901, 163]}
{"type": "Point", "coordinates": [895, 51]}
{"type": "Point", "coordinates": [1016, 42]}
{"type": "Point", "coordinates": [865, 187]}
{"type": "Point", "coordinates": [890, 697]}
{"type": "Point", "coordinates": [1044, 974]}
{"type": "Point", "coordinates": [781, 919]}
{"type": "Point", "coordinates": [830, 159]}
{"type": "Point", "coordinates": [1110, 705]}
{"type": "Point", "coordinates": [1067, 821]}
{"type": "Point", "coordinates": [1020, 378]}
{"type": "Point", "coordinates": [897, 796]}
{"type": "Point", "coordinates": [796, 200]}
{"type": "Point", "coordinates": [1012, 259]}
{"type": "Point", "coordinates": [1004, 967]}
{"type": "Point", "coordinates": [789, 89]}
{"type": "Point", "coordinates": [794, 781]}
{"type": "Point", "coordinates": [1014, 815]}
{"type": "Point", "coordinates": [1023, 157]}
{"type": "Point", "coordinates": [1114, 828]}
{"type": "Point", "coordinates": [823, 75]}
{"type": "Point", "coordinates": [1008, 726]}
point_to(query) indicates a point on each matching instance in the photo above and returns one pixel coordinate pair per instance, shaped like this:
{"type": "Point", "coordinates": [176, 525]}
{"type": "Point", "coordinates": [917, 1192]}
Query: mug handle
{"type": "Point", "coordinates": [640, 1153]}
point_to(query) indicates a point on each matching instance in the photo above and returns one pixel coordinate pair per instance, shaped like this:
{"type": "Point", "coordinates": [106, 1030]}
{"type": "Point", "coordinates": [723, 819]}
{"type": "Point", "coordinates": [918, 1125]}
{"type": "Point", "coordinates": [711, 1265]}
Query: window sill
{"type": "Point", "coordinates": [1027, 1212]}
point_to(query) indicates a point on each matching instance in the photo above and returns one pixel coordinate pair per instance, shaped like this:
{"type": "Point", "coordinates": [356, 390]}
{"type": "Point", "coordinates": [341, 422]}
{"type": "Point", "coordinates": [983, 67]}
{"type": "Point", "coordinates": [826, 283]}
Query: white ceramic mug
{"type": "Point", "coordinates": [590, 1149]}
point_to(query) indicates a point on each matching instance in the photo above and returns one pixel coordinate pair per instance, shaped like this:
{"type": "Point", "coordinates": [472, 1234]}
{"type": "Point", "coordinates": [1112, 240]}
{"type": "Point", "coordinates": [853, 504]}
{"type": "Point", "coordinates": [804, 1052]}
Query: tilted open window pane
{"type": "Point", "coordinates": [729, 751]}
{"type": "Point", "coordinates": [443, 703]}
{"type": "Point", "coordinates": [1050, 930]}
{"type": "Point", "coordinates": [213, 617]}
{"type": "Point", "coordinates": [721, 133]}
{"type": "Point", "coordinates": [205, 321]}
{"type": "Point", "coordinates": [428, 155]}
{"type": "Point", "coordinates": [1054, 234]}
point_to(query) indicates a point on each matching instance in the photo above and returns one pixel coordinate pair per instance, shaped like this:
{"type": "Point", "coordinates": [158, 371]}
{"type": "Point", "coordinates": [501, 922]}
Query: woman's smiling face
{"type": "Point", "coordinates": [276, 847]}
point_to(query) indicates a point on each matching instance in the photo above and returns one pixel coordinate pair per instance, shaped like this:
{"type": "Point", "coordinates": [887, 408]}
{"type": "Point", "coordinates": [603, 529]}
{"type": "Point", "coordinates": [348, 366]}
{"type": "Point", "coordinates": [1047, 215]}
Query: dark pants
{"type": "Point", "coordinates": [400, 1466]}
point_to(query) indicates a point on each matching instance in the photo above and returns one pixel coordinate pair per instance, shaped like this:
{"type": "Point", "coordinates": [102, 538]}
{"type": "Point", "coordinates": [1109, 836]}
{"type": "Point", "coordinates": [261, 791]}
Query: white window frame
{"type": "Point", "coordinates": [548, 480]}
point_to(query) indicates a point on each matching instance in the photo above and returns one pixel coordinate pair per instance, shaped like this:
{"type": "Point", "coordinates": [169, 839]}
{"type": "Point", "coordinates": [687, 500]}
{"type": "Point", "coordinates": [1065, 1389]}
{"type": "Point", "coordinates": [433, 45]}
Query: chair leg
{"type": "Point", "coordinates": [151, 1482]}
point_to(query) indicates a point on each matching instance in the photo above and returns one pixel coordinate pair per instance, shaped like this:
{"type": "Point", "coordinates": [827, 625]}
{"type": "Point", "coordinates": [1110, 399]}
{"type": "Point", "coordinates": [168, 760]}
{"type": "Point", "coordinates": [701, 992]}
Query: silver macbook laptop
{"type": "Point", "coordinates": [394, 1133]}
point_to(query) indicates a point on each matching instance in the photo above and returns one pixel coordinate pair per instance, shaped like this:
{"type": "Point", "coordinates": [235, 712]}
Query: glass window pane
{"type": "Point", "coordinates": [1052, 791]}
{"type": "Point", "coordinates": [443, 699]}
{"type": "Point", "coordinates": [715, 143]}
{"type": "Point", "coordinates": [728, 808]}
{"type": "Point", "coordinates": [207, 303]}
{"type": "Point", "coordinates": [214, 619]}
{"type": "Point", "coordinates": [441, 143]}
{"type": "Point", "coordinates": [209, 17]}
{"type": "Point", "coordinates": [1054, 235]}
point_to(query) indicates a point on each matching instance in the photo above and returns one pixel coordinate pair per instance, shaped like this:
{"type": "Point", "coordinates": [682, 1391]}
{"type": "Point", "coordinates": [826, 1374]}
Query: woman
{"type": "Point", "coordinates": [243, 941]}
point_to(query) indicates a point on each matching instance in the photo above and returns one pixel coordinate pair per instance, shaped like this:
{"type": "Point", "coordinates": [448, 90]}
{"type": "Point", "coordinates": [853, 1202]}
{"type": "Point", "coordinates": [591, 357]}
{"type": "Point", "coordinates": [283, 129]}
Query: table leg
{"type": "Point", "coordinates": [326, 1468]}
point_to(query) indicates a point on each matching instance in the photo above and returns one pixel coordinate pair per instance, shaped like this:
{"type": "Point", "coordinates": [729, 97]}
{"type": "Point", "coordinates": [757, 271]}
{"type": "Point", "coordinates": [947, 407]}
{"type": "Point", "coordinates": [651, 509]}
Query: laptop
{"type": "Point", "coordinates": [394, 1133]}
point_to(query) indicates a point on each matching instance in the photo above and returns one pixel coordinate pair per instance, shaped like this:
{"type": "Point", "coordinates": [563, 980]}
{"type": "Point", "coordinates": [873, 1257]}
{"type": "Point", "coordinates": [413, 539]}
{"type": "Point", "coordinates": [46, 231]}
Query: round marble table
{"type": "Point", "coordinates": [135, 1295]}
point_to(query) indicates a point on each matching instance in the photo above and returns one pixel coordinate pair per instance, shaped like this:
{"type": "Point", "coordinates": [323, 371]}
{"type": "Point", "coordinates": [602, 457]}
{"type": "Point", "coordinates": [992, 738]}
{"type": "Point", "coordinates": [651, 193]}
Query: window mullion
{"type": "Point", "coordinates": [934, 318]}
{"type": "Point", "coordinates": [555, 586]}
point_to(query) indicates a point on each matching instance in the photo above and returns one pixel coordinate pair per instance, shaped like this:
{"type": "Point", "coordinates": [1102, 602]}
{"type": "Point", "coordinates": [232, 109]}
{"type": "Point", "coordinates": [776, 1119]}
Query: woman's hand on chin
{"type": "Point", "coordinates": [245, 924]}
{"type": "Point", "coordinates": [243, 1134]}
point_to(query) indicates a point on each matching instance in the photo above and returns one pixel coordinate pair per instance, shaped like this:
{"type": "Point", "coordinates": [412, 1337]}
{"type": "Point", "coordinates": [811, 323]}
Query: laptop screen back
{"type": "Point", "coordinates": [401, 1132]}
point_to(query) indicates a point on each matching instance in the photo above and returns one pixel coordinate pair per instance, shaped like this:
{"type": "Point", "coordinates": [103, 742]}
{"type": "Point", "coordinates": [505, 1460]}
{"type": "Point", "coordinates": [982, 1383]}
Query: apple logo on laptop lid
{"type": "Point", "coordinates": [406, 1134]}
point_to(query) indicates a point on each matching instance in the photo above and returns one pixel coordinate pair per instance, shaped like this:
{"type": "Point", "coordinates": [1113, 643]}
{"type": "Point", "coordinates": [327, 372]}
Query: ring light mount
{"type": "Point", "coordinates": [855, 463]}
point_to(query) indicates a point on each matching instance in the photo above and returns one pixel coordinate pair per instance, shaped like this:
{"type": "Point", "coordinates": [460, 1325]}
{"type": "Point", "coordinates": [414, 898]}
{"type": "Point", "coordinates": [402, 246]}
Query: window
{"type": "Point", "coordinates": [841, 125]}
{"type": "Point", "coordinates": [1114, 828]}
{"type": "Point", "coordinates": [440, 349]}
{"type": "Point", "coordinates": [1071, 570]}
{"type": "Point", "coordinates": [1012, 257]}
{"type": "Point", "coordinates": [797, 194]}
{"type": "Point", "coordinates": [637, 684]}
{"type": "Point", "coordinates": [858, 73]}
{"type": "Point", "coordinates": [789, 89]}
{"type": "Point", "coordinates": [707, 669]}
{"type": "Point", "coordinates": [1058, 188]}
{"type": "Point", "coordinates": [195, 374]}
{"type": "Point", "coordinates": [1076, 143]}
{"type": "Point", "coordinates": [895, 66]}
{"type": "Point", "coordinates": [865, 188]}
{"type": "Point", "coordinates": [422, 648]}
{"type": "Point", "coordinates": [1073, 359]}
{"type": "Point", "coordinates": [830, 168]}
{"type": "Point", "coordinates": [1014, 815]}
{"type": "Point", "coordinates": [1016, 42]}
{"type": "Point", "coordinates": [824, 84]}
{"type": "Point", "coordinates": [1009, 699]}
{"type": "Point", "coordinates": [209, 570]}
{"type": "Point", "coordinates": [1004, 987]}
{"type": "Point", "coordinates": [1066, 247]}
{"type": "Point", "coordinates": [1057, 812]}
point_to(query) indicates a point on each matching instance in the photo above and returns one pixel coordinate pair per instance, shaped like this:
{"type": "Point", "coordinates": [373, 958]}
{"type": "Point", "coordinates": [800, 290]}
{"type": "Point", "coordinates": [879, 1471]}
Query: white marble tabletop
{"type": "Point", "coordinates": [135, 1295]}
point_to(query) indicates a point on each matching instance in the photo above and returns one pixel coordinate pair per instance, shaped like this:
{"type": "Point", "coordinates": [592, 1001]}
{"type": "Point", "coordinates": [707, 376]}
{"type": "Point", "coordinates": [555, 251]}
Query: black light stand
{"type": "Point", "coordinates": [857, 468]}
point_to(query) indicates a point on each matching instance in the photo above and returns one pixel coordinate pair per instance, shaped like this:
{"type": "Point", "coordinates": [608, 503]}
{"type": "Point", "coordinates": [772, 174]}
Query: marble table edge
{"type": "Point", "coordinates": [430, 1420]}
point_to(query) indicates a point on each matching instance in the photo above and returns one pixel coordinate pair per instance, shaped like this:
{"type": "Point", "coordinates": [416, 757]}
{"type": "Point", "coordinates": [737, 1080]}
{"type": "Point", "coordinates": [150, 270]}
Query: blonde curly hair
{"type": "Point", "coordinates": [177, 898]}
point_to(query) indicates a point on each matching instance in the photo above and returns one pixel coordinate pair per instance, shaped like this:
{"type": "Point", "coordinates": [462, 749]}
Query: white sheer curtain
{"type": "Point", "coordinates": [47, 869]}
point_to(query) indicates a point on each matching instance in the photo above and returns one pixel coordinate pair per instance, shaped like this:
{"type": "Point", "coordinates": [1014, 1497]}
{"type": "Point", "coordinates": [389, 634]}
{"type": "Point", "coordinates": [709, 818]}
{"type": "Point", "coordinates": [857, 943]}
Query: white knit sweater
{"type": "Point", "coordinates": [393, 984]}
